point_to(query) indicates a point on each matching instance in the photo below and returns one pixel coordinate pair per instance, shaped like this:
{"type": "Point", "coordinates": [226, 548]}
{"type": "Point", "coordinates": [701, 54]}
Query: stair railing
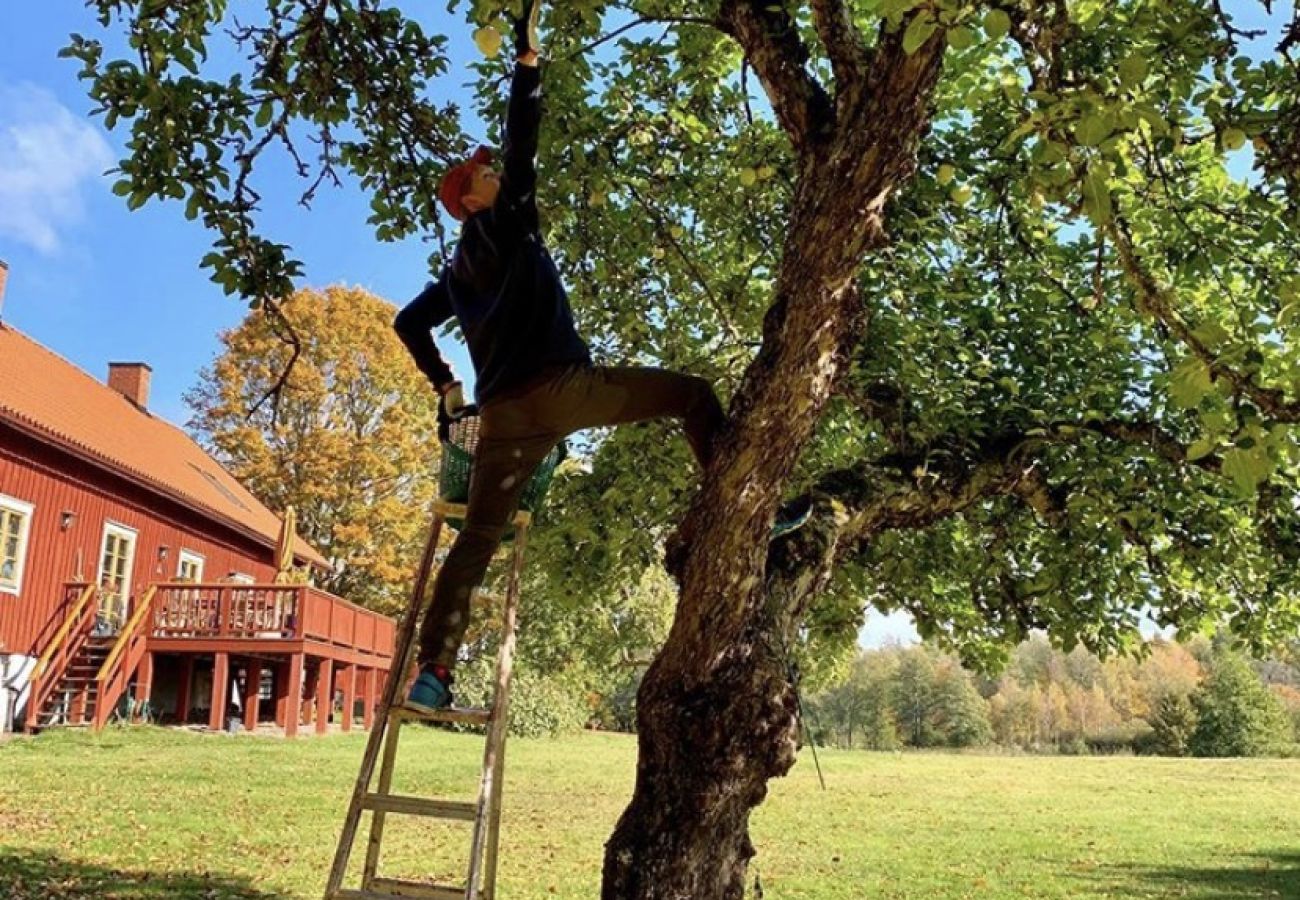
{"type": "Point", "coordinates": [62, 649]}
{"type": "Point", "coordinates": [123, 660]}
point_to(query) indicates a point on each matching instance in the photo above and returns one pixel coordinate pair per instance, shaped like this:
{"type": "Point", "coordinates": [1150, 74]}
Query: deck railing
{"type": "Point", "coordinates": [226, 611]}
{"type": "Point", "coordinates": [333, 620]}
{"type": "Point", "coordinates": [287, 611]}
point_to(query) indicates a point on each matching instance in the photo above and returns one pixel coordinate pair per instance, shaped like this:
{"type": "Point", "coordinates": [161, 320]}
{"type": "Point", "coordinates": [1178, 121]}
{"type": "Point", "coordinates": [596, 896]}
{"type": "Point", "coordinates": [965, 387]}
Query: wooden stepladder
{"type": "Point", "coordinates": [485, 813]}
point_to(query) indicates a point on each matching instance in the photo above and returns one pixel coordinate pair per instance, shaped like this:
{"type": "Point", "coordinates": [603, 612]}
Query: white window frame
{"type": "Point", "coordinates": [27, 511]}
{"type": "Point", "coordinates": [242, 578]}
{"type": "Point", "coordinates": [191, 557]}
{"type": "Point", "coordinates": [121, 531]}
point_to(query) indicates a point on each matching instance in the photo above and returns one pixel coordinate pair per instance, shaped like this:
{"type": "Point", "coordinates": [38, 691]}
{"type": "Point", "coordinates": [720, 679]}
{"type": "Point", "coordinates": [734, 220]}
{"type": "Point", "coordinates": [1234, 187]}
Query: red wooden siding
{"type": "Point", "coordinates": [53, 482]}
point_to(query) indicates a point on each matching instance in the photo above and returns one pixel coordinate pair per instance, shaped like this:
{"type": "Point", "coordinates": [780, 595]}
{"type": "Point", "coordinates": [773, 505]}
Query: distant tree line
{"type": "Point", "coordinates": [1203, 698]}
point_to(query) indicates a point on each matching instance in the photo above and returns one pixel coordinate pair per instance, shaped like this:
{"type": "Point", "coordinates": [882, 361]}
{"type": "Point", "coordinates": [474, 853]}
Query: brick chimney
{"type": "Point", "coordinates": [4, 277]}
{"type": "Point", "coordinates": [131, 380]}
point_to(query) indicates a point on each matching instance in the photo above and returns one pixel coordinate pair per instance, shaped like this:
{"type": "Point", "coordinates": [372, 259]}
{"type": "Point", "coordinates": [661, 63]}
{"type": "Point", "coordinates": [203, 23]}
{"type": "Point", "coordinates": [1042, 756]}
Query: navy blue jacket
{"type": "Point", "coordinates": [501, 283]}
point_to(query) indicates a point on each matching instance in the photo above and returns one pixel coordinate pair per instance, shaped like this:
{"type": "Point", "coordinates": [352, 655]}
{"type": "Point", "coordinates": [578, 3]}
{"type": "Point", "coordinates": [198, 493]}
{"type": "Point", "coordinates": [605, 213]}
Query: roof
{"type": "Point", "coordinates": [45, 395]}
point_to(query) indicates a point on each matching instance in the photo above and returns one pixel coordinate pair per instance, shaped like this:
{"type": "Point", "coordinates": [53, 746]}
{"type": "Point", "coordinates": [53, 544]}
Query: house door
{"type": "Point", "coordinates": [115, 564]}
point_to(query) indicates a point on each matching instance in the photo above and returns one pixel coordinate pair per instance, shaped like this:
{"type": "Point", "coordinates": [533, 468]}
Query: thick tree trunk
{"type": "Point", "coordinates": [716, 714]}
{"type": "Point", "coordinates": [718, 745]}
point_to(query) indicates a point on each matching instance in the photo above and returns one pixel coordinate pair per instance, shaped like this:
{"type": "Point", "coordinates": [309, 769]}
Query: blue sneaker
{"type": "Point", "coordinates": [429, 693]}
{"type": "Point", "coordinates": [791, 516]}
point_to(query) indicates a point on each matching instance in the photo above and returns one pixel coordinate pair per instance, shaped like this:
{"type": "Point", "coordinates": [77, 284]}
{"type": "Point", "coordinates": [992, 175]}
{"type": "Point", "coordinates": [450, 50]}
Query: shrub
{"type": "Point", "coordinates": [615, 710]}
{"type": "Point", "coordinates": [1075, 746]}
{"type": "Point", "coordinates": [1173, 725]}
{"type": "Point", "coordinates": [1237, 715]}
{"type": "Point", "coordinates": [540, 705]}
{"type": "Point", "coordinates": [1130, 737]}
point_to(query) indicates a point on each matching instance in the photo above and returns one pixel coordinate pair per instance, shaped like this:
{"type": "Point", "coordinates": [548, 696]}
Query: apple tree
{"type": "Point", "coordinates": [1008, 288]}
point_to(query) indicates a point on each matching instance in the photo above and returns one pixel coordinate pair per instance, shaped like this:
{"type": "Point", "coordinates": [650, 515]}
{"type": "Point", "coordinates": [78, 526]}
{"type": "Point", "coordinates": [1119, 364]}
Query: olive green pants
{"type": "Point", "coordinates": [516, 431]}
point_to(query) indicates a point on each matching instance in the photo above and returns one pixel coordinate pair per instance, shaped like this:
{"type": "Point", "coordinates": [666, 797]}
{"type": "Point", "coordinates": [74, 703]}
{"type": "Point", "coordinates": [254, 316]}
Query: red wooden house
{"type": "Point", "coordinates": [133, 567]}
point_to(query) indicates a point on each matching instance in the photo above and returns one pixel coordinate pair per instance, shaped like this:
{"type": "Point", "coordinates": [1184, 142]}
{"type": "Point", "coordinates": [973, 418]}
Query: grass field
{"type": "Point", "coordinates": [150, 813]}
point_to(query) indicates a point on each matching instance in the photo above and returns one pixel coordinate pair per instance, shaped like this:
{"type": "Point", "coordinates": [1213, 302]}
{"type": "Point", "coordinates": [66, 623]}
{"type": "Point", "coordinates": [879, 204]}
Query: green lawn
{"type": "Point", "coordinates": [150, 813]}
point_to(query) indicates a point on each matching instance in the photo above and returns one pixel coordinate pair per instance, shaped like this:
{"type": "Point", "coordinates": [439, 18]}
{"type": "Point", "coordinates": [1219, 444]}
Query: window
{"type": "Point", "coordinates": [115, 564]}
{"type": "Point", "coordinates": [241, 578]}
{"type": "Point", "coordinates": [15, 525]}
{"type": "Point", "coordinates": [190, 567]}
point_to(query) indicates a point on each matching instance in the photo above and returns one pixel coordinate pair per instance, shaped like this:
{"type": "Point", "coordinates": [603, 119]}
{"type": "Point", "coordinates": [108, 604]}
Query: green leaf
{"type": "Point", "coordinates": [264, 113]}
{"type": "Point", "coordinates": [1201, 449]}
{"type": "Point", "coordinates": [1247, 468]}
{"type": "Point", "coordinates": [961, 38]}
{"type": "Point", "coordinates": [1153, 117]}
{"type": "Point", "coordinates": [1190, 382]}
{"type": "Point", "coordinates": [1289, 314]}
{"type": "Point", "coordinates": [918, 32]}
{"type": "Point", "coordinates": [1212, 334]}
{"type": "Point", "coordinates": [1133, 71]}
{"type": "Point", "coordinates": [1094, 128]}
{"type": "Point", "coordinates": [1096, 196]}
{"type": "Point", "coordinates": [997, 24]}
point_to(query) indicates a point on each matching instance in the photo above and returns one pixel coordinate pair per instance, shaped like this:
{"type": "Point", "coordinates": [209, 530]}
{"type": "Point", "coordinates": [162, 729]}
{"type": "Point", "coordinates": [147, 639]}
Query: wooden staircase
{"type": "Point", "coordinates": [74, 698]}
{"type": "Point", "coordinates": [81, 675]}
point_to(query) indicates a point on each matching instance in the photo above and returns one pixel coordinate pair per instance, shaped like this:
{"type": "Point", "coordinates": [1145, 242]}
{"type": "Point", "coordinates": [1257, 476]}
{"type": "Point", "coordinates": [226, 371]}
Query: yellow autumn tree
{"type": "Point", "coordinates": [351, 442]}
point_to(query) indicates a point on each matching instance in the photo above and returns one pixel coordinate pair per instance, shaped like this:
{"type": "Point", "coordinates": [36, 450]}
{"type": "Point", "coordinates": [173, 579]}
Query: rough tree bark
{"type": "Point", "coordinates": [716, 714]}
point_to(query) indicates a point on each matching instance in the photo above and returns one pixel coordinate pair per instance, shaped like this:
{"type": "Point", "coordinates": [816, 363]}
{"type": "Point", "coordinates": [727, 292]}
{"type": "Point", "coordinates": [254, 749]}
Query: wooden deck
{"type": "Point", "coordinates": [315, 644]}
{"type": "Point", "coordinates": [306, 636]}
{"type": "Point", "coordinates": [269, 619]}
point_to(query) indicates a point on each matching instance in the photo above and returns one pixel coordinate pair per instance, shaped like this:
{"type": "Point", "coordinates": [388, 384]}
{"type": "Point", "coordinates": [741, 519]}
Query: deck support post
{"type": "Point", "coordinates": [182, 710]}
{"type": "Point", "coordinates": [281, 691]}
{"type": "Point", "coordinates": [293, 696]}
{"type": "Point", "coordinates": [324, 694]}
{"type": "Point", "coordinates": [349, 678]}
{"type": "Point", "coordinates": [220, 690]}
{"type": "Point", "coordinates": [372, 697]}
{"type": "Point", "coordinates": [252, 693]}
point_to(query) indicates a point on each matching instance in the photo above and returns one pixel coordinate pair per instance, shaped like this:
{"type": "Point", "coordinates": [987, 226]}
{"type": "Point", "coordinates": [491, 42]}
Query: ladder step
{"type": "Point", "coordinates": [393, 887]}
{"type": "Point", "coordinates": [418, 806]}
{"type": "Point", "coordinates": [460, 715]}
{"type": "Point", "coordinates": [387, 888]}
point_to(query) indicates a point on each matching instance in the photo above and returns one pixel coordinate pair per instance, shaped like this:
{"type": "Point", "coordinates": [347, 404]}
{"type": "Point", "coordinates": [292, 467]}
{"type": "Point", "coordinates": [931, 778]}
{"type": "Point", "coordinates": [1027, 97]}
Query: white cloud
{"type": "Point", "coordinates": [47, 156]}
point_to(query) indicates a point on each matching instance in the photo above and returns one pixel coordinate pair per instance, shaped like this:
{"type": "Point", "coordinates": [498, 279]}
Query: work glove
{"type": "Point", "coordinates": [452, 408]}
{"type": "Point", "coordinates": [526, 29]}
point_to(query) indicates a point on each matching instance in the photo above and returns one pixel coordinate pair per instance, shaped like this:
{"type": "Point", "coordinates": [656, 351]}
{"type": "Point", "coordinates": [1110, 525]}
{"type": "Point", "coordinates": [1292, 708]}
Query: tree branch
{"type": "Point", "coordinates": [772, 45]}
{"type": "Point", "coordinates": [1160, 303]}
{"type": "Point", "coordinates": [275, 313]}
{"type": "Point", "coordinates": [915, 490]}
{"type": "Point", "coordinates": [844, 44]}
{"type": "Point", "coordinates": [643, 20]}
{"type": "Point", "coordinates": [661, 226]}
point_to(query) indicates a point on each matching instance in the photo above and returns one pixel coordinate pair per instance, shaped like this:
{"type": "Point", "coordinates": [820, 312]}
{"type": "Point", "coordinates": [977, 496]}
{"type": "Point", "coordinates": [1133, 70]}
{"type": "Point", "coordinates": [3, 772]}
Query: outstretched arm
{"type": "Point", "coordinates": [415, 324]}
{"type": "Point", "coordinates": [517, 200]}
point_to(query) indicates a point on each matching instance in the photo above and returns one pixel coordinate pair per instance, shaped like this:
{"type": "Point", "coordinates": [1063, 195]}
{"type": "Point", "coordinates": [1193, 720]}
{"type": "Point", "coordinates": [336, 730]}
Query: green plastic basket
{"type": "Point", "coordinates": [458, 466]}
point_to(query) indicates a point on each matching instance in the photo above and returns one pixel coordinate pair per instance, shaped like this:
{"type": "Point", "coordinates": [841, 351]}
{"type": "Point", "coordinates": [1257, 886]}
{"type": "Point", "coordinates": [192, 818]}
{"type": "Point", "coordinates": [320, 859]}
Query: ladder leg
{"type": "Point", "coordinates": [495, 755]}
{"type": "Point", "coordinates": [393, 684]}
{"type": "Point", "coordinates": [377, 816]}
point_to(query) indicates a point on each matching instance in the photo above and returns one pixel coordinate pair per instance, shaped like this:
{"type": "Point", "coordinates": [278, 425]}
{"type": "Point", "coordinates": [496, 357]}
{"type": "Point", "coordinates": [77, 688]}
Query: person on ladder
{"type": "Point", "coordinates": [535, 379]}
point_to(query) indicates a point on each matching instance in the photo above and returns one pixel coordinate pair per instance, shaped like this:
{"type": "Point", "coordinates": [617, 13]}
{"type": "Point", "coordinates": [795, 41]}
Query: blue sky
{"type": "Point", "coordinates": [96, 283]}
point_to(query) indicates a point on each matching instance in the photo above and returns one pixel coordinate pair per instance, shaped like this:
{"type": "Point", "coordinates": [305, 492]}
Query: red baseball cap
{"type": "Point", "coordinates": [456, 181]}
